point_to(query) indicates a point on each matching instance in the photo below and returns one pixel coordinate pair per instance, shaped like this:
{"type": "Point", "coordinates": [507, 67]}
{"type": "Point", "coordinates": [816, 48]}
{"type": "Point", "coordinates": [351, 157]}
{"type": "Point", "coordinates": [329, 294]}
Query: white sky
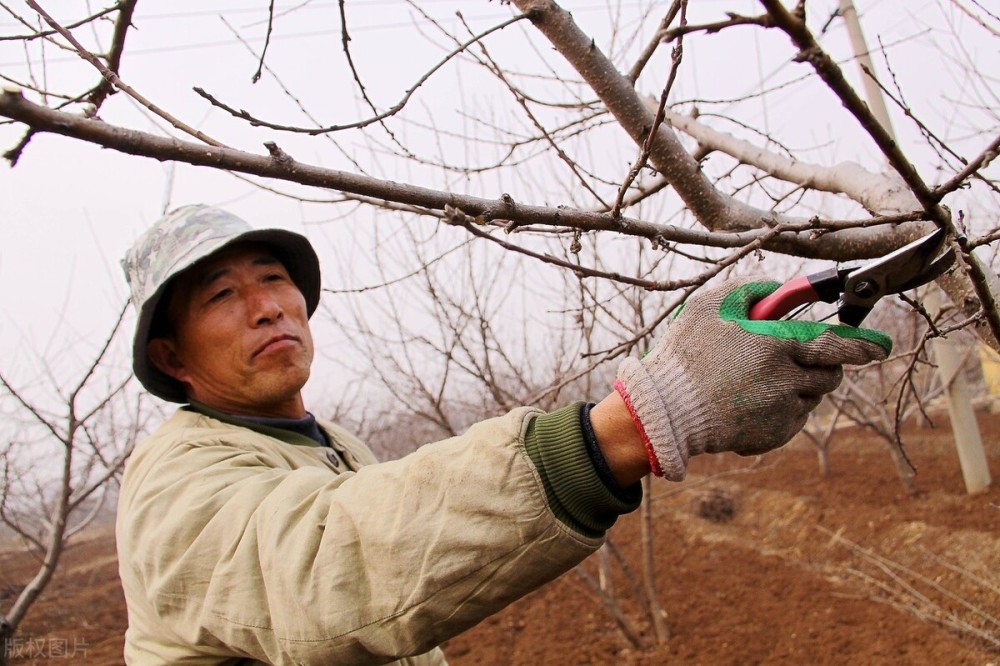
{"type": "Point", "coordinates": [68, 211]}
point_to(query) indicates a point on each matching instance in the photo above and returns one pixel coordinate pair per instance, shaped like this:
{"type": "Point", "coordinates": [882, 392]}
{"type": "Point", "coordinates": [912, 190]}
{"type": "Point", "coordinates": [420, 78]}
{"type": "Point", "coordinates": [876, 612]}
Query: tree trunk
{"type": "Point", "coordinates": [656, 614]}
{"type": "Point", "coordinates": [823, 455]}
{"type": "Point", "coordinates": [6, 636]}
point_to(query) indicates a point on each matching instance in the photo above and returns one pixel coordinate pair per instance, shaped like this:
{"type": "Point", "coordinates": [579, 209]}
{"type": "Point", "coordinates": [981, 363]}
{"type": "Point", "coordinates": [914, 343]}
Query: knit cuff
{"type": "Point", "coordinates": [653, 420]}
{"type": "Point", "coordinates": [629, 494]}
{"type": "Point", "coordinates": [654, 463]}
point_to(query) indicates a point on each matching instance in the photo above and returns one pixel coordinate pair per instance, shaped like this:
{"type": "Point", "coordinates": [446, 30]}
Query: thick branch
{"type": "Point", "coordinates": [838, 241]}
{"type": "Point", "coordinates": [710, 207]}
{"type": "Point", "coordinates": [876, 192]}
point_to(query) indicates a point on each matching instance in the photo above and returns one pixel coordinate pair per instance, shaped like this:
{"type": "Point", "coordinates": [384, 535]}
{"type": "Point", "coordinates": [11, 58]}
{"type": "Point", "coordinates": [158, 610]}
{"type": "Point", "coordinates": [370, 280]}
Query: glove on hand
{"type": "Point", "coordinates": [718, 381]}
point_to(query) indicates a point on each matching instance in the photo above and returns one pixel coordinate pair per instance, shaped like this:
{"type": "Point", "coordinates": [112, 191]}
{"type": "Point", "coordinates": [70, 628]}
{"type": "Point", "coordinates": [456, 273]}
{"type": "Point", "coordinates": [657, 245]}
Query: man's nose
{"type": "Point", "coordinates": [264, 307]}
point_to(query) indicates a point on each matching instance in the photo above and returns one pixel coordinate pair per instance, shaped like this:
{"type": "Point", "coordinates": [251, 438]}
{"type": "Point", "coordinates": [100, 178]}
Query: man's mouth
{"type": "Point", "coordinates": [276, 343]}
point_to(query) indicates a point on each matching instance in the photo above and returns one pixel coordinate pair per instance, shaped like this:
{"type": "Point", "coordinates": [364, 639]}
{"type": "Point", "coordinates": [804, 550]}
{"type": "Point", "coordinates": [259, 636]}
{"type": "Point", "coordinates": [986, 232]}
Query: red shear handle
{"type": "Point", "coordinates": [788, 297]}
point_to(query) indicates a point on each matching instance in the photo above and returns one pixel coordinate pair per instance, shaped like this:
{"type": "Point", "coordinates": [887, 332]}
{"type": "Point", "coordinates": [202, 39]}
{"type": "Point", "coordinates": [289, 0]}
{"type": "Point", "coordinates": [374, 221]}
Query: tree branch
{"type": "Point", "coordinates": [267, 42]}
{"type": "Point", "coordinates": [113, 79]}
{"type": "Point", "coordinates": [658, 117]}
{"type": "Point", "coordinates": [647, 53]}
{"type": "Point", "coordinates": [396, 108]}
{"type": "Point", "coordinates": [980, 161]}
{"type": "Point", "coordinates": [833, 240]}
{"type": "Point", "coordinates": [879, 193]}
{"type": "Point", "coordinates": [710, 207]}
{"type": "Point", "coordinates": [41, 34]}
{"type": "Point", "coordinates": [114, 58]}
{"type": "Point", "coordinates": [734, 19]}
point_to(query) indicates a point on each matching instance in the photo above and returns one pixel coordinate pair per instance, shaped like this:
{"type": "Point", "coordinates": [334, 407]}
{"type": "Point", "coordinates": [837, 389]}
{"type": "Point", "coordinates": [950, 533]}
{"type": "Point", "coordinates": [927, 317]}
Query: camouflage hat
{"type": "Point", "coordinates": [176, 242]}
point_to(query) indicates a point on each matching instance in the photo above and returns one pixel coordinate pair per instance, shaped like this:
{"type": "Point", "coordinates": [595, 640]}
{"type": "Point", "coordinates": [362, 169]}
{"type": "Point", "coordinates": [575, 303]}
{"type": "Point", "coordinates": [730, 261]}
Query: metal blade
{"type": "Point", "coordinates": [908, 267]}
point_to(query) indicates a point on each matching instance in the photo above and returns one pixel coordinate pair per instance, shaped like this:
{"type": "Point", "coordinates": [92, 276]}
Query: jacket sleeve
{"type": "Point", "coordinates": [238, 550]}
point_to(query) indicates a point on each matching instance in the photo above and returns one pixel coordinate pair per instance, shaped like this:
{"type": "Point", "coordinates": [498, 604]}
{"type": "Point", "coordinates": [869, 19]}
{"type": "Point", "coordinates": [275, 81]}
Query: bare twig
{"type": "Point", "coordinates": [113, 79]}
{"type": "Point", "coordinates": [42, 34]}
{"type": "Point", "coordinates": [930, 609]}
{"type": "Point", "coordinates": [554, 145]}
{"type": "Point", "coordinates": [670, 34]}
{"type": "Point", "coordinates": [396, 108]}
{"type": "Point", "coordinates": [647, 144]}
{"type": "Point", "coordinates": [267, 42]}
{"type": "Point", "coordinates": [647, 53]}
{"type": "Point", "coordinates": [114, 57]}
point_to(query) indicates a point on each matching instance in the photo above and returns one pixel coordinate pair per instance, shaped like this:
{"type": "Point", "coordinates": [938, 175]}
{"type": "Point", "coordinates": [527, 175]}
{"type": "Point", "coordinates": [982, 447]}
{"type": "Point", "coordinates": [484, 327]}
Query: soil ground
{"type": "Point", "coordinates": [757, 562]}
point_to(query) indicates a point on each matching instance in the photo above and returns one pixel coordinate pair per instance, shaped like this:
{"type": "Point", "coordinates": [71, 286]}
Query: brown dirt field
{"type": "Point", "coordinates": [846, 569]}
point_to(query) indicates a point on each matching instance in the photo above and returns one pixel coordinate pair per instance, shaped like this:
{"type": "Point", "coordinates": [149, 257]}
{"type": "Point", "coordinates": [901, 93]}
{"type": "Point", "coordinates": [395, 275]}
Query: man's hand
{"type": "Point", "coordinates": [718, 381]}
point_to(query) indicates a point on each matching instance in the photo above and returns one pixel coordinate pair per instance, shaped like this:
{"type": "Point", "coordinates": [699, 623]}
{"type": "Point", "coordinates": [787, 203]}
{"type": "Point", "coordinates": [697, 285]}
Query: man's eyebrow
{"type": "Point", "coordinates": [265, 260]}
{"type": "Point", "coordinates": [209, 278]}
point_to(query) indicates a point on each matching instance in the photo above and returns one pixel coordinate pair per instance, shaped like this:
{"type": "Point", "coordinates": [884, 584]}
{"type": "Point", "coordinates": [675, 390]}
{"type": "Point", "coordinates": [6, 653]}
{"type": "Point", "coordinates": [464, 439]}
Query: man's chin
{"type": "Point", "coordinates": [283, 388]}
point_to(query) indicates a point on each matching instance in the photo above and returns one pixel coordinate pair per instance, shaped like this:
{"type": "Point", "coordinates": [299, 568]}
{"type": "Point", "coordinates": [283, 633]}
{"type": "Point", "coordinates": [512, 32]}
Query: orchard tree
{"type": "Point", "coordinates": [66, 442]}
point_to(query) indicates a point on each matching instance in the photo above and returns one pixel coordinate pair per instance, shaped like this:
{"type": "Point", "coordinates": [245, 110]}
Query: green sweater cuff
{"type": "Point", "coordinates": [575, 492]}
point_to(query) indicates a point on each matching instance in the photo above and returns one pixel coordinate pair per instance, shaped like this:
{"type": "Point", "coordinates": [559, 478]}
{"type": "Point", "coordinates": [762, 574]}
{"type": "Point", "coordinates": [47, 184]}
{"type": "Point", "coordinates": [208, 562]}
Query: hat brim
{"type": "Point", "coordinates": [293, 250]}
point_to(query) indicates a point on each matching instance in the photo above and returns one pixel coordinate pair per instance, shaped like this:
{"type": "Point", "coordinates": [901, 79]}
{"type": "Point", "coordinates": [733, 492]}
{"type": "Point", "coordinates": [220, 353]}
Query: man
{"type": "Point", "coordinates": [250, 532]}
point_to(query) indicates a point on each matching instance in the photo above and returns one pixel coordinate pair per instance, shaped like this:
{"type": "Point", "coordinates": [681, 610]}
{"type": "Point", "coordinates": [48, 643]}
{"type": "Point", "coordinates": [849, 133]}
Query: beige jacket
{"type": "Point", "coordinates": [234, 542]}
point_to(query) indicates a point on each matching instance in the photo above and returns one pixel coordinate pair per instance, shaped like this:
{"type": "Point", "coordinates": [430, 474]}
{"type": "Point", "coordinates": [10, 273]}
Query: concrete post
{"type": "Point", "coordinates": [969, 444]}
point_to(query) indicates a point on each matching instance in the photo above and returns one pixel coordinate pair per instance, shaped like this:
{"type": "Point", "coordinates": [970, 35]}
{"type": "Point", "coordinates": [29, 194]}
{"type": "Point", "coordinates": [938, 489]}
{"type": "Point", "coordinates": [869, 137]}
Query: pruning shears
{"type": "Point", "coordinates": [856, 290]}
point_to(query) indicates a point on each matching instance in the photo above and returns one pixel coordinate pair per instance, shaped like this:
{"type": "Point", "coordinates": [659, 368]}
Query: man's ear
{"type": "Point", "coordinates": [163, 354]}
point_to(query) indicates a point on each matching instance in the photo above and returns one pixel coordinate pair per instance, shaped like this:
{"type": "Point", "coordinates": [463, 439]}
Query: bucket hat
{"type": "Point", "coordinates": [178, 241]}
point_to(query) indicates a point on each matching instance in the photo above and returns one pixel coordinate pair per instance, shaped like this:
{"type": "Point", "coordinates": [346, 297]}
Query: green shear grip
{"type": "Point", "coordinates": [736, 308]}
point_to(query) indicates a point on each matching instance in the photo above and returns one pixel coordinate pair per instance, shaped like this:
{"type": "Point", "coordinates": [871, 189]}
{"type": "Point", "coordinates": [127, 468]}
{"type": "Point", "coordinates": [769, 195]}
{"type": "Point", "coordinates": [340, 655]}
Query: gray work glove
{"type": "Point", "coordinates": [718, 381]}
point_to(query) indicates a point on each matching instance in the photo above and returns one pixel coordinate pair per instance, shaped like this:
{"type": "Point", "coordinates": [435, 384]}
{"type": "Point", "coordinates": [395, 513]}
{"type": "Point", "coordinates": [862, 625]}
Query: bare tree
{"type": "Point", "coordinates": [90, 433]}
{"type": "Point", "coordinates": [881, 397]}
{"type": "Point", "coordinates": [884, 397]}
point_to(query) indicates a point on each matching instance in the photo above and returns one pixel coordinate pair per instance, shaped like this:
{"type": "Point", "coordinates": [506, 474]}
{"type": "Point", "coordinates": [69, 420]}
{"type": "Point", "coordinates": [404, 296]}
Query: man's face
{"type": "Point", "coordinates": [241, 341]}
